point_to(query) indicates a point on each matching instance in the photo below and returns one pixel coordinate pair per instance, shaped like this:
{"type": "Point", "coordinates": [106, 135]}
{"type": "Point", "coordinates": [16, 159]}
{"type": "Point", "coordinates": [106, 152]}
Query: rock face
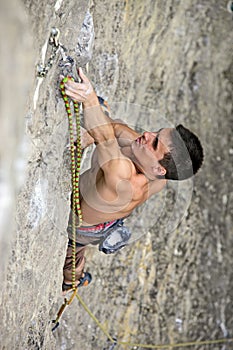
{"type": "Point", "coordinates": [14, 66]}
{"type": "Point", "coordinates": [158, 63]}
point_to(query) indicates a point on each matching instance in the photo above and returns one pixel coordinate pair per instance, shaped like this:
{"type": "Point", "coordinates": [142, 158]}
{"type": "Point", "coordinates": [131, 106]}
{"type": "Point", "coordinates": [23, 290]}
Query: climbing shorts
{"type": "Point", "coordinates": [110, 236]}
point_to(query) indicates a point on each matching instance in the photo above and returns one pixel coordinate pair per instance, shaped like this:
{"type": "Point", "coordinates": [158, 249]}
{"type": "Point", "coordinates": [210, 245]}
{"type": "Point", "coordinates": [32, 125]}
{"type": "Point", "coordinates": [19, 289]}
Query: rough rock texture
{"type": "Point", "coordinates": [157, 63]}
{"type": "Point", "coordinates": [14, 66]}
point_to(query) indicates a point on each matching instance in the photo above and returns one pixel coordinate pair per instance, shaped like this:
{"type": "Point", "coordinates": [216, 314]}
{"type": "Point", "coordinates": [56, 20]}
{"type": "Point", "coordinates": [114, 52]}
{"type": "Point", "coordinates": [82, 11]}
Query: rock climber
{"type": "Point", "coordinates": [127, 168]}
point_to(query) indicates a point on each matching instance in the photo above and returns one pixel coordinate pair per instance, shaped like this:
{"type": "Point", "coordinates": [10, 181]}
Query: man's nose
{"type": "Point", "coordinates": [147, 136]}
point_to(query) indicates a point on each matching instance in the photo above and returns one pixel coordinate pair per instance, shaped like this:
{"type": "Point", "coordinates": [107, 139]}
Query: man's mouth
{"type": "Point", "coordinates": [139, 140]}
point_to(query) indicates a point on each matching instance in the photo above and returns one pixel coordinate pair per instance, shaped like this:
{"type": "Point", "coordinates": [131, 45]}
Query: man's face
{"type": "Point", "coordinates": [149, 148]}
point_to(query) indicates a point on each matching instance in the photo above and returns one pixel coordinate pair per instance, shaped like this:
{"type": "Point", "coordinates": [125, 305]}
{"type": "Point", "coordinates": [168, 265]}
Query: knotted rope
{"type": "Point", "coordinates": [75, 169]}
{"type": "Point", "coordinates": [75, 156]}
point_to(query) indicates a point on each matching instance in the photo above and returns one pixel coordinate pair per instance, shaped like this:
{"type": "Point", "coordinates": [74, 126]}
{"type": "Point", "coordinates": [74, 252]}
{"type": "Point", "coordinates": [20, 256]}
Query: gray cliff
{"type": "Point", "coordinates": [157, 63]}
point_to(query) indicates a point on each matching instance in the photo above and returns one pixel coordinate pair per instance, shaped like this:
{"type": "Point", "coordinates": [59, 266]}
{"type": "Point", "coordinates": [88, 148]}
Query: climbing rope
{"type": "Point", "coordinates": [115, 342]}
{"type": "Point", "coordinates": [75, 156]}
{"type": "Point", "coordinates": [75, 169]}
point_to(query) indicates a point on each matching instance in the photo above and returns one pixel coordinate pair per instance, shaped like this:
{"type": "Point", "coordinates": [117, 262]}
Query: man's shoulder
{"type": "Point", "coordinates": [119, 170]}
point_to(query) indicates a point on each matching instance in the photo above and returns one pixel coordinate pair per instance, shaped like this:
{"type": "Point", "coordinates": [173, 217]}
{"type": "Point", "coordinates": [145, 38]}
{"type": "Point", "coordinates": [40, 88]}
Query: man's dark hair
{"type": "Point", "coordinates": [185, 156]}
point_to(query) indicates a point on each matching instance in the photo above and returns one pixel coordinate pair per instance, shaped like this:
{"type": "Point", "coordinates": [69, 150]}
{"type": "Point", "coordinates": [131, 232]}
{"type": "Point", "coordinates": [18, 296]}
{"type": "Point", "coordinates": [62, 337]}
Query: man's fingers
{"type": "Point", "coordinates": [77, 96]}
{"type": "Point", "coordinates": [82, 75]}
{"type": "Point", "coordinates": [75, 87]}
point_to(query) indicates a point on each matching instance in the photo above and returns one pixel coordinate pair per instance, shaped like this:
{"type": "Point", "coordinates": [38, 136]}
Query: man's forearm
{"type": "Point", "coordinates": [96, 122]}
{"type": "Point", "coordinates": [98, 125]}
{"type": "Point", "coordinates": [122, 132]}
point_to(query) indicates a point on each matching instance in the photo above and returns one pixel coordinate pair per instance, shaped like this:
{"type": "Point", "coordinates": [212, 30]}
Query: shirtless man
{"type": "Point", "coordinates": [127, 168]}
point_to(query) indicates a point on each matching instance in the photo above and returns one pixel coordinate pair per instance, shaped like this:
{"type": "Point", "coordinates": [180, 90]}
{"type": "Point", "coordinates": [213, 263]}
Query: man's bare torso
{"type": "Point", "coordinates": [100, 204]}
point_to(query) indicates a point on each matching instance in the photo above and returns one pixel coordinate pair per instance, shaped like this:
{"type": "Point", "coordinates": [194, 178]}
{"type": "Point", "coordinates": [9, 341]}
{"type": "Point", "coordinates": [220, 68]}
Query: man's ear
{"type": "Point", "coordinates": [159, 170]}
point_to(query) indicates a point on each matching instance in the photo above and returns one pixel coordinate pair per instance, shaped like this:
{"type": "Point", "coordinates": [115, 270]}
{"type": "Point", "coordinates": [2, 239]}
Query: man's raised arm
{"type": "Point", "coordinates": [96, 122]}
{"type": "Point", "coordinates": [100, 127]}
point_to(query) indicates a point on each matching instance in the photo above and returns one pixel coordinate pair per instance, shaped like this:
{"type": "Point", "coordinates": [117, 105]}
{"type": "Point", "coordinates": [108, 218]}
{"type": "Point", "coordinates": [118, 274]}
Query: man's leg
{"type": "Point", "coordinates": [79, 265]}
{"type": "Point", "coordinates": [80, 275]}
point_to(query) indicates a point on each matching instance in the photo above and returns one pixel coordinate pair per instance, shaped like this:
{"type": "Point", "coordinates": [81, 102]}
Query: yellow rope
{"type": "Point", "coordinates": [75, 170]}
{"type": "Point", "coordinates": [149, 346]}
{"type": "Point", "coordinates": [84, 305]}
{"type": "Point", "coordinates": [178, 345]}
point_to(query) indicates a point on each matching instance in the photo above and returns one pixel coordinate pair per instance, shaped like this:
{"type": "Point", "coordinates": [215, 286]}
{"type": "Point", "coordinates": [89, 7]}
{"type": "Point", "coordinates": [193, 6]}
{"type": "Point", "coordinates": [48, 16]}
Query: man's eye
{"type": "Point", "coordinates": [155, 143]}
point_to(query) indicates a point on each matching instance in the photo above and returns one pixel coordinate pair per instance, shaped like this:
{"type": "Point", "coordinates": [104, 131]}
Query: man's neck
{"type": "Point", "coordinates": [151, 186]}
